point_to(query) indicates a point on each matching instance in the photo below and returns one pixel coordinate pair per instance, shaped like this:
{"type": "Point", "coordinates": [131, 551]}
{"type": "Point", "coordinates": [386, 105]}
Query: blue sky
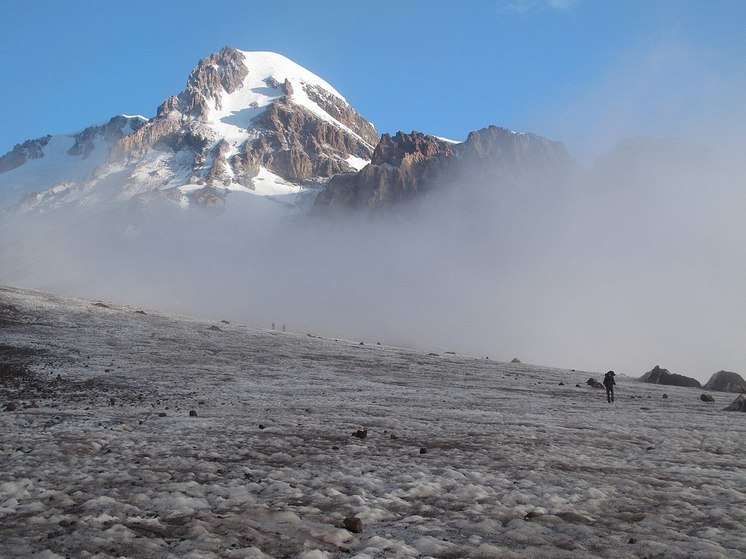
{"type": "Point", "coordinates": [587, 72]}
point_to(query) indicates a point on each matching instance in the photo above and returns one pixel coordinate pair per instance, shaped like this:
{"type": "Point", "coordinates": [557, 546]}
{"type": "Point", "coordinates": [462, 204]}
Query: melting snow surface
{"type": "Point", "coordinates": [518, 461]}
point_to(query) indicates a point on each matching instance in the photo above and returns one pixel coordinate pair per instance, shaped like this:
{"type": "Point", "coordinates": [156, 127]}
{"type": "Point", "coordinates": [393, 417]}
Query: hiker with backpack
{"type": "Point", "coordinates": [609, 385]}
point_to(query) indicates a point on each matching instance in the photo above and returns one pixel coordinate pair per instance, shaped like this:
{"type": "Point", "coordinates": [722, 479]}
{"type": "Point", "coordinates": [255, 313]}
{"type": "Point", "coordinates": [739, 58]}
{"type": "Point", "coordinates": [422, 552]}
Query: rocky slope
{"type": "Point", "coordinates": [257, 123]}
{"type": "Point", "coordinates": [252, 122]}
{"type": "Point", "coordinates": [406, 165]}
{"type": "Point", "coordinates": [726, 381]}
{"type": "Point", "coordinates": [663, 376]}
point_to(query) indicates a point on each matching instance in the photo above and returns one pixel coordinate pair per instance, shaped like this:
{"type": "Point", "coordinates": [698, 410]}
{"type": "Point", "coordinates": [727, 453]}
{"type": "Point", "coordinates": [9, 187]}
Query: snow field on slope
{"type": "Point", "coordinates": [516, 465]}
{"type": "Point", "coordinates": [233, 119]}
{"type": "Point", "coordinates": [37, 175]}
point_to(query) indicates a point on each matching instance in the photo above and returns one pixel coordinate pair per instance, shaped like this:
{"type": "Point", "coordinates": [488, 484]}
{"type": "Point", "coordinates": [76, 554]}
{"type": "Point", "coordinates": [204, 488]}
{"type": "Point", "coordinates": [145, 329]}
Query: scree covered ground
{"type": "Point", "coordinates": [464, 457]}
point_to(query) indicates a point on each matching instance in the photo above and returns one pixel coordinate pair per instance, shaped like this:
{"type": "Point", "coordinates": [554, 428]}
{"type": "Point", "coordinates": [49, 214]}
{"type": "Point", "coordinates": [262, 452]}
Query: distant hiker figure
{"type": "Point", "coordinates": [609, 385]}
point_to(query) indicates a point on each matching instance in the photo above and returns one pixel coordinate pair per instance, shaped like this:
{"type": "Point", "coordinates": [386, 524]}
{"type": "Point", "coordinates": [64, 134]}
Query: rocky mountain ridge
{"type": "Point", "coordinates": [257, 123]}
{"type": "Point", "coordinates": [248, 122]}
{"type": "Point", "coordinates": [406, 165]}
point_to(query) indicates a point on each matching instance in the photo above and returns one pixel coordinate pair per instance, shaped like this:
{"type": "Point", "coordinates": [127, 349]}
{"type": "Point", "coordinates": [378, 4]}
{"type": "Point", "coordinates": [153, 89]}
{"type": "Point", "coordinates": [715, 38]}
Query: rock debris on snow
{"type": "Point", "coordinates": [517, 473]}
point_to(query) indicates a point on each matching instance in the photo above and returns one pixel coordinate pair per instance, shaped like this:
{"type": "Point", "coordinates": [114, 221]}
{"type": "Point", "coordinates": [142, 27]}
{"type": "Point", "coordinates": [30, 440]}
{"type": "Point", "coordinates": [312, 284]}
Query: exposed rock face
{"type": "Point", "coordinates": [725, 381]}
{"type": "Point", "coordinates": [118, 127]}
{"type": "Point", "coordinates": [739, 404]}
{"type": "Point", "coordinates": [297, 145]}
{"type": "Point", "coordinates": [222, 71]}
{"type": "Point", "coordinates": [342, 112]}
{"type": "Point", "coordinates": [287, 138]}
{"type": "Point", "coordinates": [406, 165]}
{"type": "Point", "coordinates": [494, 150]}
{"type": "Point", "coordinates": [664, 376]}
{"type": "Point", "coordinates": [401, 167]}
{"type": "Point", "coordinates": [30, 149]}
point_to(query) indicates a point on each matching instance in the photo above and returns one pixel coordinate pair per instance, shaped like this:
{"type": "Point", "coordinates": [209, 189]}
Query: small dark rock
{"type": "Point", "coordinates": [632, 540]}
{"type": "Point", "coordinates": [353, 524]}
{"type": "Point", "coordinates": [224, 322]}
{"type": "Point", "coordinates": [215, 328]}
{"type": "Point", "coordinates": [423, 450]}
{"type": "Point", "coordinates": [162, 414]}
{"type": "Point", "coordinates": [706, 398]}
{"type": "Point", "coordinates": [139, 312]}
{"type": "Point", "coordinates": [192, 413]}
{"type": "Point", "coordinates": [361, 433]}
{"type": "Point", "coordinates": [261, 426]}
{"type": "Point", "coordinates": [10, 406]}
{"type": "Point", "coordinates": [665, 396]}
{"type": "Point", "coordinates": [561, 384]}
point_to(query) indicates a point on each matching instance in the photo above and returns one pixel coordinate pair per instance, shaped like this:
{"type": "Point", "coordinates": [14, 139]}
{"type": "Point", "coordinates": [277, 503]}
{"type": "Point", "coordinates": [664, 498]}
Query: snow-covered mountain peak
{"type": "Point", "coordinates": [269, 65]}
{"type": "Point", "coordinates": [248, 122]}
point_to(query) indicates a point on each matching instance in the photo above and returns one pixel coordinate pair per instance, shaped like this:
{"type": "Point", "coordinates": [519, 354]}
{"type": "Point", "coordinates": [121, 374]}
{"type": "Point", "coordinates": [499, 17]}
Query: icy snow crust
{"type": "Point", "coordinates": [517, 465]}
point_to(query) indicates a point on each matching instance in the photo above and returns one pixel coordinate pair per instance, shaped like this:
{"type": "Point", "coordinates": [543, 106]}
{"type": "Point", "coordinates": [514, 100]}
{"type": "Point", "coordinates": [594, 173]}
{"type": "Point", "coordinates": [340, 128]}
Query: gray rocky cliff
{"type": "Point", "coordinates": [406, 165]}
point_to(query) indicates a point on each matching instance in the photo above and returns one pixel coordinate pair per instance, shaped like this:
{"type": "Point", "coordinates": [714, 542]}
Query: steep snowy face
{"type": "Point", "coordinates": [250, 122]}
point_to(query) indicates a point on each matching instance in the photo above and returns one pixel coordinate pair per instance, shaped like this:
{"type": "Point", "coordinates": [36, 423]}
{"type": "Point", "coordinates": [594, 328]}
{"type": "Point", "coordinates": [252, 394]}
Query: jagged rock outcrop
{"type": "Point", "coordinates": [118, 127]}
{"type": "Point", "coordinates": [287, 138]}
{"type": "Point", "coordinates": [406, 165]}
{"type": "Point", "coordinates": [30, 149]}
{"type": "Point", "coordinates": [663, 376]}
{"type": "Point", "coordinates": [726, 381]}
{"type": "Point", "coordinates": [401, 167]}
{"type": "Point", "coordinates": [342, 112]}
{"type": "Point", "coordinates": [739, 404]}
{"type": "Point", "coordinates": [297, 145]}
{"type": "Point", "coordinates": [222, 71]}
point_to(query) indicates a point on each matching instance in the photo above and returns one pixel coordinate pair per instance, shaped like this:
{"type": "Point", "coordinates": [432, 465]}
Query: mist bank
{"type": "Point", "coordinates": [637, 260]}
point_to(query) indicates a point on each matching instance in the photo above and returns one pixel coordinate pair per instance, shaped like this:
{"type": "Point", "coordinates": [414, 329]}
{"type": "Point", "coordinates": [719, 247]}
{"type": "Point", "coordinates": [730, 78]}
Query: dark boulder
{"type": "Point", "coordinates": [706, 398]}
{"type": "Point", "coordinates": [593, 383]}
{"type": "Point", "coordinates": [725, 381]}
{"type": "Point", "coordinates": [739, 404]}
{"type": "Point", "coordinates": [353, 524]}
{"type": "Point", "coordinates": [664, 376]}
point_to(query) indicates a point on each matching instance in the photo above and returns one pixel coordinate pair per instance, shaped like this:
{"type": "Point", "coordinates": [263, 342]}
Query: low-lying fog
{"type": "Point", "coordinates": [637, 260]}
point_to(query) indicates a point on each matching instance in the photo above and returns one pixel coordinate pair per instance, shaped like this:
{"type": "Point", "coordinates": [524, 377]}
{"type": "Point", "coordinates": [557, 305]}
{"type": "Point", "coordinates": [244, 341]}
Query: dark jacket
{"type": "Point", "coordinates": [609, 380]}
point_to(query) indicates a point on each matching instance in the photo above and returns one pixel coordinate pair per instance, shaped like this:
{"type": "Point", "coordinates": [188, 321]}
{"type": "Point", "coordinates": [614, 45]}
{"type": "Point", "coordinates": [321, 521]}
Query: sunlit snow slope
{"type": "Point", "coordinates": [248, 123]}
